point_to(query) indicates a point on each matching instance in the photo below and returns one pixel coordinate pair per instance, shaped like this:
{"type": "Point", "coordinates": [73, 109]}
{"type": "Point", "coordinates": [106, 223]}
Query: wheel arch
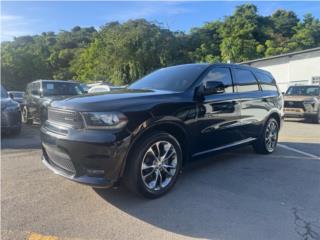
{"type": "Point", "coordinates": [176, 129]}
{"type": "Point", "coordinates": [275, 115]}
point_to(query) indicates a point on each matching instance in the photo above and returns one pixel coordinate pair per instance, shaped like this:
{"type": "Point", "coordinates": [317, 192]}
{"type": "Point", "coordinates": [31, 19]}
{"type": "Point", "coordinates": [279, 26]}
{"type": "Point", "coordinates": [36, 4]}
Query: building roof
{"type": "Point", "coordinates": [283, 55]}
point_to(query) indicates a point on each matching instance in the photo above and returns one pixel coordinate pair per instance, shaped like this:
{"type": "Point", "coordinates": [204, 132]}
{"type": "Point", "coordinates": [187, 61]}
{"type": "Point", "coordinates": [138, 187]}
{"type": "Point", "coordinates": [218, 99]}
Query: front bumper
{"type": "Point", "coordinates": [91, 157]}
{"type": "Point", "coordinates": [300, 112]}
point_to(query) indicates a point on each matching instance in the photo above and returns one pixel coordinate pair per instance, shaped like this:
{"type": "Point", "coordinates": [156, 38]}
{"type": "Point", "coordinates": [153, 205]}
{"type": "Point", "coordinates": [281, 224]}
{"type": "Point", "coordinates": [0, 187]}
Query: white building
{"type": "Point", "coordinates": [301, 67]}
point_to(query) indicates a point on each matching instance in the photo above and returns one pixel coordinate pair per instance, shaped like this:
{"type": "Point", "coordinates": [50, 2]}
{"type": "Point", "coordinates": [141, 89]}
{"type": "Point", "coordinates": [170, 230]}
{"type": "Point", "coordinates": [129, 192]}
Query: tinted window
{"type": "Point", "coordinates": [35, 88]}
{"type": "Point", "coordinates": [222, 75]}
{"type": "Point", "coordinates": [266, 81]}
{"type": "Point", "coordinates": [17, 94]}
{"type": "Point", "coordinates": [61, 88]}
{"type": "Point", "coordinates": [304, 91]}
{"type": "Point", "coordinates": [177, 78]}
{"type": "Point", "coordinates": [245, 80]}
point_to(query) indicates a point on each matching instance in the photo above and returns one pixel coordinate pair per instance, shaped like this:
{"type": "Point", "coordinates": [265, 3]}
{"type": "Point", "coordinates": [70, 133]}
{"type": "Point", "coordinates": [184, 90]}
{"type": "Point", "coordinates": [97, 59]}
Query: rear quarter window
{"type": "Point", "coordinates": [267, 83]}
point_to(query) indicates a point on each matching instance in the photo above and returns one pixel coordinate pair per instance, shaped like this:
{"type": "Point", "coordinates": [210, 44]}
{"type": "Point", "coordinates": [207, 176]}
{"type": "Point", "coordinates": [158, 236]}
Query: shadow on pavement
{"type": "Point", "coordinates": [214, 197]}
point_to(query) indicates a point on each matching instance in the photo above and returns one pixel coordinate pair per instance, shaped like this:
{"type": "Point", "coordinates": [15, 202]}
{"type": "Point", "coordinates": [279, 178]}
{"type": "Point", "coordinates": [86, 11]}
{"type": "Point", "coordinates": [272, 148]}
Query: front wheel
{"type": "Point", "coordinates": [316, 119]}
{"type": "Point", "coordinates": [154, 166]}
{"type": "Point", "coordinates": [267, 141]}
{"type": "Point", "coordinates": [25, 116]}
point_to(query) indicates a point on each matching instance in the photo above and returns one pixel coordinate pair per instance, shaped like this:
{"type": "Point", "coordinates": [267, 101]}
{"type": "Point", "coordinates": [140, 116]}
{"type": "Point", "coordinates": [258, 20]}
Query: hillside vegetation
{"type": "Point", "coordinates": [123, 52]}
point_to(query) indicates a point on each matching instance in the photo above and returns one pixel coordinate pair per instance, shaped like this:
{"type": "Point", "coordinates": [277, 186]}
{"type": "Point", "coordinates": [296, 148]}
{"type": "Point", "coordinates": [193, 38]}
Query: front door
{"type": "Point", "coordinates": [218, 114]}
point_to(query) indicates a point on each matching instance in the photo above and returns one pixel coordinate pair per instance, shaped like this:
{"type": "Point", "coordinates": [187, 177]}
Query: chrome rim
{"type": "Point", "coordinates": [24, 115]}
{"type": "Point", "coordinates": [271, 136]}
{"type": "Point", "coordinates": [159, 165]}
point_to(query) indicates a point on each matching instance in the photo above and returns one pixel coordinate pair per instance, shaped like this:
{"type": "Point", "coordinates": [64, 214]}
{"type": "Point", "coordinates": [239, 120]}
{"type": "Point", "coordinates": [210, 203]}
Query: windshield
{"type": "Point", "coordinates": [4, 93]}
{"type": "Point", "coordinates": [17, 94]}
{"type": "Point", "coordinates": [177, 78]}
{"type": "Point", "coordinates": [303, 91]}
{"type": "Point", "coordinates": [61, 88]}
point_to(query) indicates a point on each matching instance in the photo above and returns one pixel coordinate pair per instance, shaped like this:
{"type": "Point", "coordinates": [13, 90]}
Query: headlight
{"type": "Point", "coordinates": [104, 120]}
{"type": "Point", "coordinates": [308, 103]}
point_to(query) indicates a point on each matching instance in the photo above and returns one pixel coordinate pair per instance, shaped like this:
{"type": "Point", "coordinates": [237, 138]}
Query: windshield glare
{"type": "Point", "coordinates": [61, 88]}
{"type": "Point", "coordinates": [303, 91]}
{"type": "Point", "coordinates": [4, 93]}
{"type": "Point", "coordinates": [18, 94]}
{"type": "Point", "coordinates": [177, 78]}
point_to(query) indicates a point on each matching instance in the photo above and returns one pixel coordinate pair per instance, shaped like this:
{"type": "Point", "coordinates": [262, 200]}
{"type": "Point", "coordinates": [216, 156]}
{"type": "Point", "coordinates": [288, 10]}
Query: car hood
{"type": "Point", "coordinates": [299, 98]}
{"type": "Point", "coordinates": [56, 97]}
{"type": "Point", "coordinates": [115, 100]}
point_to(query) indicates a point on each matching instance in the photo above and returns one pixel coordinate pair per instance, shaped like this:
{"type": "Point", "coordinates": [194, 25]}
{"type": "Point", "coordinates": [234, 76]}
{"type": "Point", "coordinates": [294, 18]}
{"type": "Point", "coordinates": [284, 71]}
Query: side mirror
{"type": "Point", "coordinates": [11, 96]}
{"type": "Point", "coordinates": [213, 87]}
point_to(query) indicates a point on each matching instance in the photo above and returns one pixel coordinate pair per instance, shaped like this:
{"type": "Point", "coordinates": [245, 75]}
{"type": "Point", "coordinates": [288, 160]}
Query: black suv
{"type": "Point", "coordinates": [39, 94]}
{"type": "Point", "coordinates": [10, 114]}
{"type": "Point", "coordinates": [147, 132]}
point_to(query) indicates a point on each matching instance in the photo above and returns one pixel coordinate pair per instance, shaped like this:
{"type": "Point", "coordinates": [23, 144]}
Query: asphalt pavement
{"type": "Point", "coordinates": [235, 195]}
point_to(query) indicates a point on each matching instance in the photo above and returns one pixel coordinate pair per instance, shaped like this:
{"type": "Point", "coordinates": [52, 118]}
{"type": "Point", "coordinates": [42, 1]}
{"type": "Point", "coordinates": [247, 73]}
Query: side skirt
{"type": "Point", "coordinates": [225, 146]}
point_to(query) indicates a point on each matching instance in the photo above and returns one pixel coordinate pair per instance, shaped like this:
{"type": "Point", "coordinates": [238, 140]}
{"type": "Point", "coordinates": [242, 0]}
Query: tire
{"type": "Point", "coordinates": [25, 116]}
{"type": "Point", "coordinates": [316, 119]}
{"type": "Point", "coordinates": [267, 141]}
{"type": "Point", "coordinates": [149, 173]}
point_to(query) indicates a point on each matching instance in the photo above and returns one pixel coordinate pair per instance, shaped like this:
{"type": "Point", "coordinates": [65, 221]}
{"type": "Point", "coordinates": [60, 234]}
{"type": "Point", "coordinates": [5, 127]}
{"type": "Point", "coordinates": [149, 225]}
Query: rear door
{"type": "Point", "coordinates": [219, 114]}
{"type": "Point", "coordinates": [253, 107]}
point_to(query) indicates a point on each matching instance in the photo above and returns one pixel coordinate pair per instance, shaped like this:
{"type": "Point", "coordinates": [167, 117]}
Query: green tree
{"type": "Point", "coordinates": [307, 34]}
{"type": "Point", "coordinates": [207, 42]}
{"type": "Point", "coordinates": [238, 33]}
{"type": "Point", "coordinates": [122, 53]}
{"type": "Point", "coordinates": [284, 22]}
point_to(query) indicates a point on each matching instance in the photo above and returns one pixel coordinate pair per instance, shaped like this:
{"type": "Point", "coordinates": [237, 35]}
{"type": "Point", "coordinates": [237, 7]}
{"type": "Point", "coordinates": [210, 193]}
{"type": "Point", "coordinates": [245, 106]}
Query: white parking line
{"type": "Point", "coordinates": [298, 151]}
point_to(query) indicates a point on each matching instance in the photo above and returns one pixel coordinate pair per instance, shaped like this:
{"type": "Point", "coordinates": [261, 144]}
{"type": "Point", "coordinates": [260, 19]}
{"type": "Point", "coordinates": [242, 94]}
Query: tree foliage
{"type": "Point", "coordinates": [123, 52]}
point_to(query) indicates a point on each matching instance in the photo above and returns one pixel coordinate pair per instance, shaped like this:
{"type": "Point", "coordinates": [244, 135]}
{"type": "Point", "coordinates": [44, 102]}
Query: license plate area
{"type": "Point", "coordinates": [294, 110]}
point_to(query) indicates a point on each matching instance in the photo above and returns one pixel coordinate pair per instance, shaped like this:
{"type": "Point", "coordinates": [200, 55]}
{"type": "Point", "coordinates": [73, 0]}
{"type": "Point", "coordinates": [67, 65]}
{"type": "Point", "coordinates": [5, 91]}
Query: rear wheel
{"type": "Point", "coordinates": [268, 140]}
{"type": "Point", "coordinates": [153, 168]}
{"type": "Point", "coordinates": [25, 116]}
{"type": "Point", "coordinates": [316, 119]}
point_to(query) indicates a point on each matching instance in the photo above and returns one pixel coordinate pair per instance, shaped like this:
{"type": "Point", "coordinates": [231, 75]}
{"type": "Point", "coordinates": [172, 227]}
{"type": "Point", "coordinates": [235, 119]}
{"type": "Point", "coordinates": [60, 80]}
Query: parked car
{"type": "Point", "coordinates": [16, 96]}
{"type": "Point", "coordinates": [99, 89]}
{"type": "Point", "coordinates": [303, 102]}
{"type": "Point", "coordinates": [84, 87]}
{"type": "Point", "coordinates": [39, 94]}
{"type": "Point", "coordinates": [10, 114]}
{"type": "Point", "coordinates": [145, 133]}
{"type": "Point", "coordinates": [114, 88]}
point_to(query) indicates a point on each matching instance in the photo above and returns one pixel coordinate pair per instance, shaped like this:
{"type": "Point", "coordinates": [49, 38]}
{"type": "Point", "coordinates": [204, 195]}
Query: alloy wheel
{"type": "Point", "coordinates": [24, 115]}
{"type": "Point", "coordinates": [271, 136]}
{"type": "Point", "coordinates": [159, 165]}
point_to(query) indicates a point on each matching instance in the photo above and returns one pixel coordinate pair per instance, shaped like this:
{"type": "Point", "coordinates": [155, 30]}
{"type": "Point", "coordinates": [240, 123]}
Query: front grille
{"type": "Point", "coordinates": [65, 117]}
{"type": "Point", "coordinates": [59, 160]}
{"type": "Point", "coordinates": [293, 104]}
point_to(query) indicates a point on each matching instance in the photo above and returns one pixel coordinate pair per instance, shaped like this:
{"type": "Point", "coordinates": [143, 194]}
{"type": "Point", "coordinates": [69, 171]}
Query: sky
{"type": "Point", "coordinates": [30, 18]}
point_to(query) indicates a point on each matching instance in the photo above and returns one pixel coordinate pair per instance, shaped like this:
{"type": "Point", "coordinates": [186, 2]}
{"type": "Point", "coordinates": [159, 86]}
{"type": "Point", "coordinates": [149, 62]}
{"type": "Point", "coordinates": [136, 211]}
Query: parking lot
{"type": "Point", "coordinates": [236, 195]}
